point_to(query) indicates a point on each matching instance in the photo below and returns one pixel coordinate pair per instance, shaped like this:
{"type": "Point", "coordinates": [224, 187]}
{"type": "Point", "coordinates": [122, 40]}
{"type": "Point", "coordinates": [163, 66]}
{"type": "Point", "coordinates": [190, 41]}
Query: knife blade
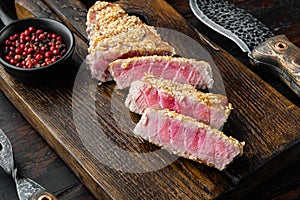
{"type": "Point", "coordinates": [265, 49]}
{"type": "Point", "coordinates": [27, 189]}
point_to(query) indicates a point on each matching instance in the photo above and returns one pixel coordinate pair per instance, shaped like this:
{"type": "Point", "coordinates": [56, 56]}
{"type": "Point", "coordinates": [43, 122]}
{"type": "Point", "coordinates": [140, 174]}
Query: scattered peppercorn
{"type": "Point", "coordinates": [33, 48]}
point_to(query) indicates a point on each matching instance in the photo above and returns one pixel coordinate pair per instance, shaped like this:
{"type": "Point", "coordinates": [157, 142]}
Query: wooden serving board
{"type": "Point", "coordinates": [265, 120]}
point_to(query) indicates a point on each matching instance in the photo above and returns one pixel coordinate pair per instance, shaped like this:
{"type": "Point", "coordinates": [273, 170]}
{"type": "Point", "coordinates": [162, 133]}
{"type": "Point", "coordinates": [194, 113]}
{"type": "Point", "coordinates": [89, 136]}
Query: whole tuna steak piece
{"type": "Point", "coordinates": [152, 92]}
{"type": "Point", "coordinates": [186, 137]}
{"type": "Point", "coordinates": [182, 70]}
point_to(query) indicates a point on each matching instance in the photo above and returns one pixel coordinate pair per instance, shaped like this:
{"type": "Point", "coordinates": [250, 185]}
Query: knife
{"type": "Point", "coordinates": [274, 53]}
{"type": "Point", "coordinates": [27, 188]}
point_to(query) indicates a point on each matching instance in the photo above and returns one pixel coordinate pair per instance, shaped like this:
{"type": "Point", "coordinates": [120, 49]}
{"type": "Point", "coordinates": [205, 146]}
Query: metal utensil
{"type": "Point", "coordinates": [273, 52]}
{"type": "Point", "coordinates": [27, 189]}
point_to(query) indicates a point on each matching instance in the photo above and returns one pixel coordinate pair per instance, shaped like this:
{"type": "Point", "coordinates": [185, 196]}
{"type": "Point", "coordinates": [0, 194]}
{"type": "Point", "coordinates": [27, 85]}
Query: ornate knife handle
{"type": "Point", "coordinates": [283, 57]}
{"type": "Point", "coordinates": [43, 195]}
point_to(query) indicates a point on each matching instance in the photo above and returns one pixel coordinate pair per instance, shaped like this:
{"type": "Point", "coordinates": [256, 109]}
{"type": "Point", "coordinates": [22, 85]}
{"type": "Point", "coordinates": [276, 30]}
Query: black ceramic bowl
{"type": "Point", "coordinates": [53, 70]}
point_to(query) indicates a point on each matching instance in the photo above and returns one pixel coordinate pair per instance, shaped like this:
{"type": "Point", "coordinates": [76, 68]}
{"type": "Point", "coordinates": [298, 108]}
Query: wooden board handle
{"type": "Point", "coordinates": [283, 57]}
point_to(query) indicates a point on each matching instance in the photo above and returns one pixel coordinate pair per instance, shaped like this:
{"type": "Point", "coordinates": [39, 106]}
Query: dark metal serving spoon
{"type": "Point", "coordinates": [13, 26]}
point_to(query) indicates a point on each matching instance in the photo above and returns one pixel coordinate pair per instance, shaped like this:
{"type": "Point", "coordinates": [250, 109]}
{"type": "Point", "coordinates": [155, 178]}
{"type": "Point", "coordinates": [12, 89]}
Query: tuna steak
{"type": "Point", "coordinates": [113, 34]}
{"type": "Point", "coordinates": [182, 70]}
{"type": "Point", "coordinates": [151, 92]}
{"type": "Point", "coordinates": [184, 136]}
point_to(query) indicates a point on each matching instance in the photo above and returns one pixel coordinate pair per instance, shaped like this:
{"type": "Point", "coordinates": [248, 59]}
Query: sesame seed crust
{"type": "Point", "coordinates": [112, 27]}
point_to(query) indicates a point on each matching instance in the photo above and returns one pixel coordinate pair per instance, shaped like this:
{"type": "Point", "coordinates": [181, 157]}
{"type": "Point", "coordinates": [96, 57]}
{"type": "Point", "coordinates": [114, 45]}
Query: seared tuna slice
{"type": "Point", "coordinates": [182, 70]}
{"type": "Point", "coordinates": [113, 34]}
{"type": "Point", "coordinates": [184, 136]}
{"type": "Point", "coordinates": [151, 92]}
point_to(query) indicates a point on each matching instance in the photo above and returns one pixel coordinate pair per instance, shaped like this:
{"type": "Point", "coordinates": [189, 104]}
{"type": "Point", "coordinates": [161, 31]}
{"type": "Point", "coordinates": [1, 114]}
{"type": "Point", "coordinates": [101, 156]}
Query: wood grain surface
{"type": "Point", "coordinates": [282, 17]}
{"type": "Point", "coordinates": [35, 159]}
{"type": "Point", "coordinates": [262, 117]}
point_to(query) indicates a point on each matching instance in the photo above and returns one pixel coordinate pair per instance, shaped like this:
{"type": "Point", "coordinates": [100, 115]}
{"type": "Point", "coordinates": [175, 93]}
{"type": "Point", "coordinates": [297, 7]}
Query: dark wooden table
{"type": "Point", "coordinates": [35, 159]}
